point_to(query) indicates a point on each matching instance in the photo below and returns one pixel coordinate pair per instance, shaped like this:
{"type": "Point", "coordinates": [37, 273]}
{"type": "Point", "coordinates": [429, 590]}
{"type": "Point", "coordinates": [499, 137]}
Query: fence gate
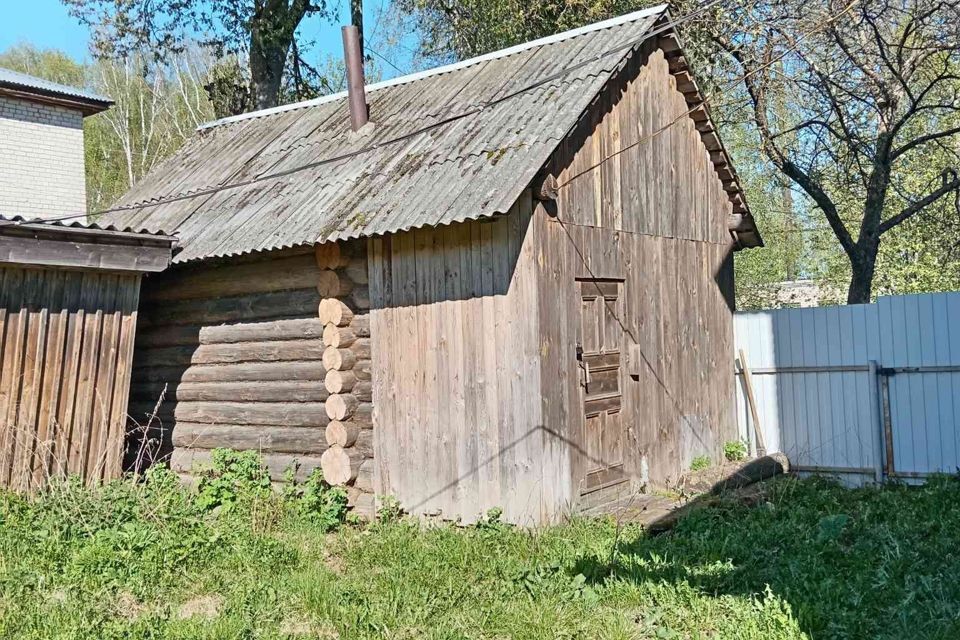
{"type": "Point", "coordinates": [859, 391]}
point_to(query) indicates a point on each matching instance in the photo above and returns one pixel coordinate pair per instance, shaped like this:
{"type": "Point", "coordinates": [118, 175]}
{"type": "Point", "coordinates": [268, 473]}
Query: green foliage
{"type": "Point", "coordinates": [389, 511]}
{"type": "Point", "coordinates": [734, 450]}
{"type": "Point", "coordinates": [143, 560]}
{"type": "Point", "coordinates": [324, 505]}
{"type": "Point", "coordinates": [474, 27]}
{"type": "Point", "coordinates": [234, 477]}
{"type": "Point", "coordinates": [700, 463]}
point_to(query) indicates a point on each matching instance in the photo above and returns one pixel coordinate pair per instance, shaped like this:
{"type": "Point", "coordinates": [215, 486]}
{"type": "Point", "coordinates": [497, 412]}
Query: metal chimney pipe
{"type": "Point", "coordinates": [353, 59]}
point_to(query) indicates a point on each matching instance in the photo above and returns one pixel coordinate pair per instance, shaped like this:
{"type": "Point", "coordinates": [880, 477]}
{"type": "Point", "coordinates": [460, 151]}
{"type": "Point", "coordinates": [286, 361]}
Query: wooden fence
{"type": "Point", "coordinates": [864, 392]}
{"type": "Point", "coordinates": [68, 313]}
{"type": "Point", "coordinates": [66, 339]}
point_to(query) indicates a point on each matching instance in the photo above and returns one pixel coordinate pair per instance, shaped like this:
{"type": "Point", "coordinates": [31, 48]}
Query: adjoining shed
{"type": "Point", "coordinates": [512, 288]}
{"type": "Point", "coordinates": [68, 313]}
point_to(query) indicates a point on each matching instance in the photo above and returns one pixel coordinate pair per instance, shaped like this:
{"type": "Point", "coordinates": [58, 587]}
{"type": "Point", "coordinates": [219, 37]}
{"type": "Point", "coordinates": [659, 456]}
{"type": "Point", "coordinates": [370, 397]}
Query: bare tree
{"type": "Point", "coordinates": [872, 84]}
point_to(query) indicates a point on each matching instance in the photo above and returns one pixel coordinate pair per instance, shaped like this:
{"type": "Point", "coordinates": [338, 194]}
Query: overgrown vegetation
{"type": "Point", "coordinates": [156, 560]}
{"type": "Point", "coordinates": [735, 450]}
{"type": "Point", "coordinates": [700, 463]}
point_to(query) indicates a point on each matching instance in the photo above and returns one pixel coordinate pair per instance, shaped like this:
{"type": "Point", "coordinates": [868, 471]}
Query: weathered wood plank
{"type": "Point", "coordinates": [232, 279]}
{"type": "Point", "coordinates": [232, 353]}
{"type": "Point", "coordinates": [44, 252]}
{"type": "Point", "coordinates": [219, 391]}
{"type": "Point", "coordinates": [265, 331]}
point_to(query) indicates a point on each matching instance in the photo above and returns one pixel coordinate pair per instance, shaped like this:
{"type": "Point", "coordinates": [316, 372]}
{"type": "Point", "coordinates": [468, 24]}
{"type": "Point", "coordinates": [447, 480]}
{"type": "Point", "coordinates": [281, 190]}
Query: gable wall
{"type": "Point", "coordinates": [654, 217]}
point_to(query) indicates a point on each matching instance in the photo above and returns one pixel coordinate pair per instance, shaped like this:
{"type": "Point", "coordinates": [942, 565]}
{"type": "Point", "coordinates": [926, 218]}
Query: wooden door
{"type": "Point", "coordinates": [598, 364]}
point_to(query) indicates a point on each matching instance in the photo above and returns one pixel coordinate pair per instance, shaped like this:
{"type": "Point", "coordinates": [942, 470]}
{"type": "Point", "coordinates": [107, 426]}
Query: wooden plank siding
{"type": "Point", "coordinates": [66, 343]}
{"type": "Point", "coordinates": [457, 373]}
{"type": "Point", "coordinates": [238, 346]}
{"type": "Point", "coordinates": [640, 202]}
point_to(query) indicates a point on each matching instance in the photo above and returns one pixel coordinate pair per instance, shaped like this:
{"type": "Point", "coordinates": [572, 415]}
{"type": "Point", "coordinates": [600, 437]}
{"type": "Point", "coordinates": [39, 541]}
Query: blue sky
{"type": "Point", "coordinates": [46, 24]}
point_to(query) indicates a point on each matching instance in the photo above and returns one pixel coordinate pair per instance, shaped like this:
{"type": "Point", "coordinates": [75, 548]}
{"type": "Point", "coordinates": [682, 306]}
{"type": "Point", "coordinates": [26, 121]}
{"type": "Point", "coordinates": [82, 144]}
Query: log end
{"type": "Point", "coordinates": [337, 467]}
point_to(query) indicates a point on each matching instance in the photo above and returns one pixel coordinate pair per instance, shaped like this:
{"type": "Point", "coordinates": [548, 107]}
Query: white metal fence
{"type": "Point", "coordinates": [861, 391]}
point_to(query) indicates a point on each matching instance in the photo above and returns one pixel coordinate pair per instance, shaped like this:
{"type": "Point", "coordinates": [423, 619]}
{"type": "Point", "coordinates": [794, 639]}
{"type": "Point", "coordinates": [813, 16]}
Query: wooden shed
{"type": "Point", "coordinates": [68, 313]}
{"type": "Point", "coordinates": [512, 288]}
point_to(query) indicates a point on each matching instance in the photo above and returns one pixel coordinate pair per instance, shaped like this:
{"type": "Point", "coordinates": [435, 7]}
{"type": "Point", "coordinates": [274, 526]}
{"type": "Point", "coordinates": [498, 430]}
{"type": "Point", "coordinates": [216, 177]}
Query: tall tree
{"type": "Point", "coordinates": [873, 87]}
{"type": "Point", "coordinates": [261, 31]}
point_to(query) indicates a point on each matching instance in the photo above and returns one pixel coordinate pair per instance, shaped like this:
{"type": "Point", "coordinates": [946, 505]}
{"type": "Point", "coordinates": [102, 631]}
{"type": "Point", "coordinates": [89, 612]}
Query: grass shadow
{"type": "Point", "coordinates": [862, 563]}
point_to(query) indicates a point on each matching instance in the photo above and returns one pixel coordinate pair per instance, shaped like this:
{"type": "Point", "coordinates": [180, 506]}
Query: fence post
{"type": "Point", "coordinates": [879, 425]}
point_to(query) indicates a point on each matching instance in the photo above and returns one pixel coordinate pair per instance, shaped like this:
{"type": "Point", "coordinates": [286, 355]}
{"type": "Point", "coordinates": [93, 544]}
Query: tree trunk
{"type": "Point", "coordinates": [356, 19]}
{"type": "Point", "coordinates": [272, 31]}
{"type": "Point", "coordinates": [863, 264]}
{"type": "Point", "coordinates": [267, 58]}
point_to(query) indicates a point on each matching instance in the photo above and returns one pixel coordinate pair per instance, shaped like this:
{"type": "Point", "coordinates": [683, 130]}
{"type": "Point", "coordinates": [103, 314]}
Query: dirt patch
{"type": "Point", "coordinates": [128, 606]}
{"type": "Point", "coordinates": [302, 628]}
{"type": "Point", "coordinates": [207, 606]}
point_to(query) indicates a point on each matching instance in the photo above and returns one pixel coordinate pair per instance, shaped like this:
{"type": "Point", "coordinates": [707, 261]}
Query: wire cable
{"type": "Point", "coordinates": [662, 28]}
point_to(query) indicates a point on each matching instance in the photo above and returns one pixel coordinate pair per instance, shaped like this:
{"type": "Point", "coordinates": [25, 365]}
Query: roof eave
{"type": "Point", "coordinates": [86, 106]}
{"type": "Point", "coordinates": [700, 113]}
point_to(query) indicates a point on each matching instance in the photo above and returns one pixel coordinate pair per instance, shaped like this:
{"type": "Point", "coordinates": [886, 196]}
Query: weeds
{"type": "Point", "coordinates": [155, 560]}
{"type": "Point", "coordinates": [734, 450]}
{"type": "Point", "coordinates": [700, 463]}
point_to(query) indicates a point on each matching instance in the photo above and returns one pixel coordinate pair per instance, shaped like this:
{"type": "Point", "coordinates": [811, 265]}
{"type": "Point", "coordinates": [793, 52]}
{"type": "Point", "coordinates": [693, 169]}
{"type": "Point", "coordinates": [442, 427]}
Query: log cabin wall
{"type": "Point", "coordinates": [457, 373]}
{"type": "Point", "coordinates": [66, 342]}
{"type": "Point", "coordinates": [263, 352]}
{"type": "Point", "coordinates": [652, 216]}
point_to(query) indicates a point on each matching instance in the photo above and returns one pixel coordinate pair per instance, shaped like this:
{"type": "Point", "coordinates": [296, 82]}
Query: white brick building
{"type": "Point", "coordinates": [41, 146]}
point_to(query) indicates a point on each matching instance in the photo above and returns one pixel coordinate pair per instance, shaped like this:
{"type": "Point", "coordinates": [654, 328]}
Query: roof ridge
{"type": "Point", "coordinates": [413, 77]}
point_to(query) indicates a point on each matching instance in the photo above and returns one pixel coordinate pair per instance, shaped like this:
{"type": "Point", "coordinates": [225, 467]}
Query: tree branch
{"type": "Point", "coordinates": [920, 140]}
{"type": "Point", "coordinates": [951, 183]}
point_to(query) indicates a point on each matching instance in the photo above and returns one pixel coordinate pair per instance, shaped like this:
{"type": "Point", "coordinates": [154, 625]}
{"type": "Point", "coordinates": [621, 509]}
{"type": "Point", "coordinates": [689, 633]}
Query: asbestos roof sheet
{"type": "Point", "coordinates": [456, 143]}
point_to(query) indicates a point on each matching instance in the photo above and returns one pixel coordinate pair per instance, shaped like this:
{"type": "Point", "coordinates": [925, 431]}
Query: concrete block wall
{"type": "Point", "coordinates": [41, 159]}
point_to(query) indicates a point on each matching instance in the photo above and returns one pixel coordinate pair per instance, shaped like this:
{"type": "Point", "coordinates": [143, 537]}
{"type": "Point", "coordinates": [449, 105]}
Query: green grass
{"type": "Point", "coordinates": [812, 560]}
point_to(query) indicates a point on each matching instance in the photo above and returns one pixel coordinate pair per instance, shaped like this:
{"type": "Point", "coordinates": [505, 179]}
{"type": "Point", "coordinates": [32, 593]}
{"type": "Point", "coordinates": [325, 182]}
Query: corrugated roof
{"type": "Point", "coordinates": [73, 225]}
{"type": "Point", "coordinates": [47, 89]}
{"type": "Point", "coordinates": [394, 175]}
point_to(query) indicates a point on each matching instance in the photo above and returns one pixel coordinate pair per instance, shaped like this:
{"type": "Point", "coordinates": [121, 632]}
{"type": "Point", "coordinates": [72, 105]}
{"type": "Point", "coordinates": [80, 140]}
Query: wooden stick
{"type": "Point", "coordinates": [748, 384]}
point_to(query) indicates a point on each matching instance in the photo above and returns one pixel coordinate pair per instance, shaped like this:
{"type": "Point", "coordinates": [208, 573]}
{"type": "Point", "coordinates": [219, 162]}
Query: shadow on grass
{"type": "Point", "coordinates": [851, 563]}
